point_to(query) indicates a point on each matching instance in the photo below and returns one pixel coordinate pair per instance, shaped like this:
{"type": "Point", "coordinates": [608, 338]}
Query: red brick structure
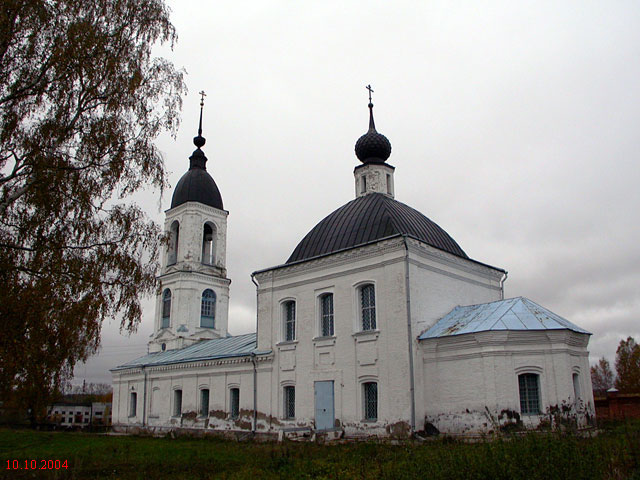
{"type": "Point", "coordinates": [617, 406]}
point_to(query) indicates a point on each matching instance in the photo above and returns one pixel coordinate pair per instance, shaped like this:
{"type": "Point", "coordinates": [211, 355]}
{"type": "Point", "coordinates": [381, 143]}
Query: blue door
{"type": "Point", "coordinates": [324, 405]}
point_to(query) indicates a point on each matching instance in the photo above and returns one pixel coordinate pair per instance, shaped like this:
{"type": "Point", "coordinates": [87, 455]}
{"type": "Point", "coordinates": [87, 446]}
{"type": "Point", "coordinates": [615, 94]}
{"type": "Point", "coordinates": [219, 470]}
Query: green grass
{"type": "Point", "coordinates": [611, 455]}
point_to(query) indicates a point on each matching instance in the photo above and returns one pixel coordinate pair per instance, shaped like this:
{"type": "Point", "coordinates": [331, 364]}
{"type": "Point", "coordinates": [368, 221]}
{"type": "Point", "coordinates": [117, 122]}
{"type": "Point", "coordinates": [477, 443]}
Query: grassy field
{"type": "Point", "coordinates": [613, 454]}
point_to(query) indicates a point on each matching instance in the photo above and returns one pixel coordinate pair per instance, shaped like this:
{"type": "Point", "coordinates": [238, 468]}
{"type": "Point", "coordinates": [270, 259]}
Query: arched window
{"type": "Point", "coordinates": [289, 319]}
{"type": "Point", "coordinates": [208, 244]}
{"type": "Point", "coordinates": [166, 308]}
{"type": "Point", "coordinates": [368, 307]}
{"type": "Point", "coordinates": [208, 309]}
{"type": "Point", "coordinates": [133, 403]}
{"type": "Point", "coordinates": [576, 387]}
{"type": "Point", "coordinates": [174, 234]}
{"type": "Point", "coordinates": [529, 385]}
{"type": "Point", "coordinates": [326, 315]}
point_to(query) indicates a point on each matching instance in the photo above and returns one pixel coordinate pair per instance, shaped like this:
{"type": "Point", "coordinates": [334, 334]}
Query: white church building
{"type": "Point", "coordinates": [377, 324]}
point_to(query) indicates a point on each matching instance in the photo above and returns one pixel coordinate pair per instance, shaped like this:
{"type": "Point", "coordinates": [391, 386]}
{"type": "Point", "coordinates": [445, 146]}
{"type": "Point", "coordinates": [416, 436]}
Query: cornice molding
{"type": "Point", "coordinates": [195, 207]}
{"type": "Point", "coordinates": [197, 364]}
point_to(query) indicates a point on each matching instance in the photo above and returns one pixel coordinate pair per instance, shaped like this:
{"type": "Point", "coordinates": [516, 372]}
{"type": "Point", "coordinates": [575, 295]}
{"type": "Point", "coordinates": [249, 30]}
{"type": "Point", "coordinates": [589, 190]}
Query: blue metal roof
{"type": "Point", "coordinates": [518, 313]}
{"type": "Point", "coordinates": [237, 346]}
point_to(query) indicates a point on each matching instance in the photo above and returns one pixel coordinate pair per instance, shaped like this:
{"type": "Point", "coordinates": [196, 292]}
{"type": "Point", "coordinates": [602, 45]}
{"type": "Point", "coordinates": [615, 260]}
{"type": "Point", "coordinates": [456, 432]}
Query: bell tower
{"type": "Point", "coordinates": [193, 302]}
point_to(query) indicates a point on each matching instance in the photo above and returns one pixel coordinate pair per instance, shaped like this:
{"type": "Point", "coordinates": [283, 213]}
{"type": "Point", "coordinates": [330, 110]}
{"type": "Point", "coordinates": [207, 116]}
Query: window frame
{"type": "Point", "coordinates": [577, 391]}
{"type": "Point", "coordinates": [177, 402]}
{"type": "Point", "coordinates": [371, 309]}
{"type": "Point", "coordinates": [211, 261]}
{"type": "Point", "coordinates": [165, 311]}
{"type": "Point", "coordinates": [368, 403]}
{"type": "Point", "coordinates": [133, 404]}
{"type": "Point", "coordinates": [174, 243]}
{"type": "Point", "coordinates": [202, 411]}
{"type": "Point", "coordinates": [326, 316]}
{"type": "Point", "coordinates": [288, 403]}
{"type": "Point", "coordinates": [287, 306]}
{"type": "Point", "coordinates": [213, 300]}
{"type": "Point", "coordinates": [530, 399]}
{"type": "Point", "coordinates": [234, 403]}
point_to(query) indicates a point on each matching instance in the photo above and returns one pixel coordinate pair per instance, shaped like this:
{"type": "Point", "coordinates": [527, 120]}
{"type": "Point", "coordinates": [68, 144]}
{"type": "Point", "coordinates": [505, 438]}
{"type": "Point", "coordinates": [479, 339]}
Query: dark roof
{"type": "Point", "coordinates": [373, 147]}
{"type": "Point", "coordinates": [197, 186]}
{"type": "Point", "coordinates": [369, 218]}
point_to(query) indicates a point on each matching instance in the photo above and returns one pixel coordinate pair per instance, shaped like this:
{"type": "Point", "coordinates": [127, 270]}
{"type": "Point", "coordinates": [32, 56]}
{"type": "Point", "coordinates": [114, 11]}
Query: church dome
{"type": "Point", "coordinates": [369, 218]}
{"type": "Point", "coordinates": [197, 186]}
{"type": "Point", "coordinates": [373, 147]}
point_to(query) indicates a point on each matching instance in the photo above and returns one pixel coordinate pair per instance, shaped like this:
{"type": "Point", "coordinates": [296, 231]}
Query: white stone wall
{"type": "Point", "coordinates": [438, 282]}
{"type": "Point", "coordinates": [374, 178]}
{"type": "Point", "coordinates": [219, 377]}
{"type": "Point", "coordinates": [471, 380]}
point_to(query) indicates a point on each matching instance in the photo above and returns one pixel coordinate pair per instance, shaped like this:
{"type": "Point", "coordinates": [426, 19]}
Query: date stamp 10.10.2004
{"type": "Point", "coordinates": [39, 464]}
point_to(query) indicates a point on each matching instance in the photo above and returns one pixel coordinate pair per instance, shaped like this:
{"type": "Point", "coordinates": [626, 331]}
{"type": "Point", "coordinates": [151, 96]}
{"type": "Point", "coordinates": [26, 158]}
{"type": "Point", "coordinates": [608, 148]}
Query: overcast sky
{"type": "Point", "coordinates": [514, 126]}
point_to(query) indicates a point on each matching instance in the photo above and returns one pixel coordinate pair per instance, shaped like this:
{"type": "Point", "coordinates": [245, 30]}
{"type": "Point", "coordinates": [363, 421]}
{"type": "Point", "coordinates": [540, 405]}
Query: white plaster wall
{"type": "Point", "coordinates": [189, 277]}
{"type": "Point", "coordinates": [471, 380]}
{"type": "Point", "coordinates": [439, 283]}
{"type": "Point", "coordinates": [162, 381]}
{"type": "Point", "coordinates": [376, 179]}
{"type": "Point", "coordinates": [350, 357]}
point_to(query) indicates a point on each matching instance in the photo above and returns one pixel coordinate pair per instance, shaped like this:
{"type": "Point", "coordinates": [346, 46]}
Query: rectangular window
{"type": "Point", "coordinates": [388, 184]}
{"type": "Point", "coordinates": [290, 321]}
{"type": "Point", "coordinates": [289, 402]}
{"type": "Point", "coordinates": [326, 311]}
{"type": "Point", "coordinates": [363, 188]}
{"type": "Point", "coordinates": [133, 404]}
{"type": "Point", "coordinates": [529, 393]}
{"type": "Point", "coordinates": [370, 397]}
{"type": "Point", "coordinates": [177, 403]}
{"type": "Point", "coordinates": [368, 307]}
{"type": "Point", "coordinates": [235, 403]}
{"type": "Point", "coordinates": [204, 402]}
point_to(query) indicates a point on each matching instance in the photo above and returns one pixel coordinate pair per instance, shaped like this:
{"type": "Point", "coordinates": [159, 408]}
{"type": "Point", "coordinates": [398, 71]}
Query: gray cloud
{"type": "Point", "coordinates": [513, 125]}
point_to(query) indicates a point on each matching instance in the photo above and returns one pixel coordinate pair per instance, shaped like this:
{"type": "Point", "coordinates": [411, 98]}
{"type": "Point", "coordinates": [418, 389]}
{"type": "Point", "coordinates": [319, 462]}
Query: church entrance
{"type": "Point", "coordinates": [324, 405]}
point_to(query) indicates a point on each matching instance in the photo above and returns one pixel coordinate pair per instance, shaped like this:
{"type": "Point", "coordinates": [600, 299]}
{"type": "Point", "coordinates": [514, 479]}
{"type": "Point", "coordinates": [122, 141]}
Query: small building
{"type": "Point", "coordinates": [79, 414]}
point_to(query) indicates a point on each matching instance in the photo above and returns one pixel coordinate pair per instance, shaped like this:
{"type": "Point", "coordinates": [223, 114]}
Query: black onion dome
{"type": "Point", "coordinates": [369, 218]}
{"type": "Point", "coordinates": [373, 147]}
{"type": "Point", "coordinates": [197, 185]}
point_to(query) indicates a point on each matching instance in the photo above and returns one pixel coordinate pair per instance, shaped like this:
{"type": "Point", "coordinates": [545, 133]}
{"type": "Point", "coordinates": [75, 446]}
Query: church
{"type": "Point", "coordinates": [378, 324]}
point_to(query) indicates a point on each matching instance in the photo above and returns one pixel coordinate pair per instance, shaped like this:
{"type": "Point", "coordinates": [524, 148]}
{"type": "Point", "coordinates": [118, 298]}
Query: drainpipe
{"type": "Point", "coordinates": [409, 334]}
{"type": "Point", "coordinates": [255, 393]}
{"type": "Point", "coordinates": [144, 398]}
{"type": "Point", "coordinates": [255, 369]}
{"type": "Point", "coordinates": [502, 280]}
